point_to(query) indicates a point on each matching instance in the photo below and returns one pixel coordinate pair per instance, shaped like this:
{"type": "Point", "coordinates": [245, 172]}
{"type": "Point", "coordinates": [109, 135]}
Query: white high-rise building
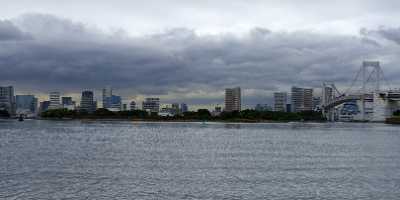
{"type": "Point", "coordinates": [233, 99]}
{"type": "Point", "coordinates": [54, 98]}
{"type": "Point", "coordinates": [151, 105]}
{"type": "Point", "coordinates": [308, 99]}
{"type": "Point", "coordinates": [302, 99]}
{"type": "Point", "coordinates": [280, 99]}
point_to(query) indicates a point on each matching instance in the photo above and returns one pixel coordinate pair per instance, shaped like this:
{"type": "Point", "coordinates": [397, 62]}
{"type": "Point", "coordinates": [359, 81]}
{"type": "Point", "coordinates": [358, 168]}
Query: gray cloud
{"type": "Point", "coordinates": [8, 31]}
{"type": "Point", "coordinates": [70, 56]}
{"type": "Point", "coordinates": [392, 34]}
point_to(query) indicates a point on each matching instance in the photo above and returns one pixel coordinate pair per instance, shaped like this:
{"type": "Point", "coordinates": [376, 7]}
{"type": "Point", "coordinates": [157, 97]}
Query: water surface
{"type": "Point", "coordinates": [136, 160]}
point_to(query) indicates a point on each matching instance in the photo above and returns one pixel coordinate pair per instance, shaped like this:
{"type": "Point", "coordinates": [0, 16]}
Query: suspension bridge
{"type": "Point", "coordinates": [376, 103]}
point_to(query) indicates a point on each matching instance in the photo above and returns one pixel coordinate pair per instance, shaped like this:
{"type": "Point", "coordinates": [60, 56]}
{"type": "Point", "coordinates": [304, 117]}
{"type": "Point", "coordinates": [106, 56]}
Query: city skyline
{"type": "Point", "coordinates": [44, 48]}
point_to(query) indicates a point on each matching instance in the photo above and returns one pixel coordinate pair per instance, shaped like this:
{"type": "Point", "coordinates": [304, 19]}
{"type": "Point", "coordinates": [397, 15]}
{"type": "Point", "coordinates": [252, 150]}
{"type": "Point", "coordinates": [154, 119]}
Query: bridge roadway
{"type": "Point", "coordinates": [389, 95]}
{"type": "Point", "coordinates": [340, 100]}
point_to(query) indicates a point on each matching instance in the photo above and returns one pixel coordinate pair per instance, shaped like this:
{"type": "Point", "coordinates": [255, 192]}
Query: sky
{"type": "Point", "coordinates": [189, 51]}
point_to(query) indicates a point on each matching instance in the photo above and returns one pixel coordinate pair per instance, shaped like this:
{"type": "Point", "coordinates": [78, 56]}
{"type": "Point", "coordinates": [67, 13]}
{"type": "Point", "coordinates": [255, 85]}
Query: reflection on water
{"type": "Point", "coordinates": [232, 126]}
{"type": "Point", "coordinates": [149, 160]}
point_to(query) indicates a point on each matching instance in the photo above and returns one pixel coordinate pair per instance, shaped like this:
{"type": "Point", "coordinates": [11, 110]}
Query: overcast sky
{"type": "Point", "coordinates": [190, 51]}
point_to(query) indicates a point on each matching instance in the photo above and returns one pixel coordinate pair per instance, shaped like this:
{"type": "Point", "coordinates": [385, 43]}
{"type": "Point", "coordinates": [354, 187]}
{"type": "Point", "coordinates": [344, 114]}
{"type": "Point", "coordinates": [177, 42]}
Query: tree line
{"type": "Point", "coordinates": [201, 114]}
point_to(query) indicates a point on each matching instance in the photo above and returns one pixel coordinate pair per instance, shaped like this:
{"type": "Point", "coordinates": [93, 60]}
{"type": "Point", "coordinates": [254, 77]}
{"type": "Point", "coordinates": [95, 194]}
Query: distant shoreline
{"type": "Point", "coordinates": [175, 120]}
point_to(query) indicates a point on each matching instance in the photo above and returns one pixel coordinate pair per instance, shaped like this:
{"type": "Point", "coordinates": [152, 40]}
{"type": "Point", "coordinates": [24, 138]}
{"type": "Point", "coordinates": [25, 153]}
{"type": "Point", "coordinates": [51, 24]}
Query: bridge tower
{"type": "Point", "coordinates": [371, 74]}
{"type": "Point", "coordinates": [371, 77]}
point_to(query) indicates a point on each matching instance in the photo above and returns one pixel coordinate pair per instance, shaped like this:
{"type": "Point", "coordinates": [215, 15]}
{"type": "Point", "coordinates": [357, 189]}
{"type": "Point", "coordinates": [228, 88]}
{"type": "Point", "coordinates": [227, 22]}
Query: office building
{"type": "Point", "coordinates": [44, 106]}
{"type": "Point", "coordinates": [151, 105]}
{"type": "Point", "coordinates": [167, 112]}
{"type": "Point", "coordinates": [132, 105]}
{"type": "Point", "coordinates": [107, 95]}
{"type": "Point", "coordinates": [67, 103]}
{"type": "Point", "coordinates": [110, 101]}
{"type": "Point", "coordinates": [175, 108]}
{"type": "Point", "coordinates": [280, 100]}
{"type": "Point", "coordinates": [7, 99]}
{"type": "Point", "coordinates": [66, 100]}
{"type": "Point", "coordinates": [94, 105]}
{"type": "Point", "coordinates": [308, 99]}
{"type": "Point", "coordinates": [87, 102]}
{"type": "Point", "coordinates": [54, 98]}
{"type": "Point", "coordinates": [114, 103]}
{"type": "Point", "coordinates": [297, 99]}
{"type": "Point", "coordinates": [302, 99]}
{"type": "Point", "coordinates": [184, 108]}
{"type": "Point", "coordinates": [288, 107]}
{"type": "Point", "coordinates": [26, 103]}
{"type": "Point", "coordinates": [232, 99]}
{"type": "Point", "coordinates": [327, 95]}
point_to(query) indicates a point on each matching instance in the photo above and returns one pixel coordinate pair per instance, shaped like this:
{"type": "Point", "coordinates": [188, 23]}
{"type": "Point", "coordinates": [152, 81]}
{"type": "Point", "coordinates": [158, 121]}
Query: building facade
{"type": "Point", "coordinates": [106, 95]}
{"type": "Point", "coordinates": [302, 99]}
{"type": "Point", "coordinates": [66, 100]}
{"type": "Point", "coordinates": [184, 108]}
{"type": "Point", "coordinates": [132, 105]}
{"type": "Point", "coordinates": [308, 99]}
{"type": "Point", "coordinates": [114, 103]}
{"type": "Point", "coordinates": [54, 98]}
{"type": "Point", "coordinates": [26, 103]}
{"type": "Point", "coordinates": [67, 103]}
{"type": "Point", "coordinates": [7, 100]}
{"type": "Point", "coordinates": [151, 105]}
{"type": "Point", "coordinates": [44, 106]}
{"type": "Point", "coordinates": [87, 102]}
{"type": "Point", "coordinates": [233, 99]}
{"type": "Point", "coordinates": [280, 100]}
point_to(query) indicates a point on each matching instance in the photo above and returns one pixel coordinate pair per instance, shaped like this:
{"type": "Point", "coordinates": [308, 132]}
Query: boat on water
{"type": "Point", "coordinates": [21, 118]}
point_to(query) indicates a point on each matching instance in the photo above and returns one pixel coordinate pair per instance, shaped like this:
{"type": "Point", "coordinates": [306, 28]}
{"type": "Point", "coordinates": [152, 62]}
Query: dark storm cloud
{"type": "Point", "coordinates": [66, 55]}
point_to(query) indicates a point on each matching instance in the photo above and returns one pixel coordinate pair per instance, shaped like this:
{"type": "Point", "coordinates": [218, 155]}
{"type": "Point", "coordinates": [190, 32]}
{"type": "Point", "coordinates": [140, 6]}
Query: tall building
{"type": "Point", "coordinates": [308, 99]}
{"type": "Point", "coordinates": [175, 108]}
{"type": "Point", "coordinates": [54, 98]}
{"type": "Point", "coordinates": [124, 107]}
{"type": "Point", "coordinates": [151, 105]}
{"type": "Point", "coordinates": [327, 95]}
{"type": "Point", "coordinates": [7, 99]}
{"type": "Point", "coordinates": [87, 102]}
{"type": "Point", "coordinates": [288, 107]}
{"type": "Point", "coordinates": [132, 105]}
{"type": "Point", "coordinates": [302, 99]}
{"type": "Point", "coordinates": [232, 99]}
{"type": "Point", "coordinates": [26, 103]}
{"type": "Point", "coordinates": [67, 103]}
{"type": "Point", "coordinates": [297, 99]}
{"type": "Point", "coordinates": [66, 100]}
{"type": "Point", "coordinates": [107, 94]}
{"type": "Point", "coordinates": [280, 100]}
{"type": "Point", "coordinates": [184, 108]}
{"type": "Point", "coordinates": [114, 103]}
{"type": "Point", "coordinates": [44, 106]}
